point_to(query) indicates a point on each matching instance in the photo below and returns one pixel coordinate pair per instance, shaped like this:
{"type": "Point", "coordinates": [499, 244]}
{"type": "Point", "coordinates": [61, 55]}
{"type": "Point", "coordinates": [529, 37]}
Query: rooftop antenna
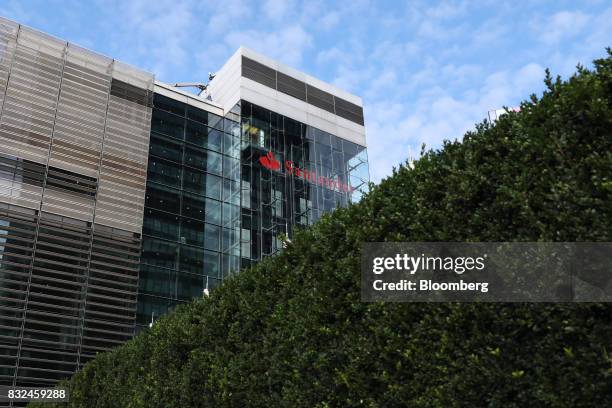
{"type": "Point", "coordinates": [201, 86]}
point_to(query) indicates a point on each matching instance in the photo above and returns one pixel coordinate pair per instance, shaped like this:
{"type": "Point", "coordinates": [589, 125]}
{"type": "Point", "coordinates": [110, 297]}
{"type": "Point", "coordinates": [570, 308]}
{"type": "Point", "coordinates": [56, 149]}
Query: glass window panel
{"type": "Point", "coordinates": [213, 186]}
{"type": "Point", "coordinates": [214, 163]}
{"type": "Point", "coordinates": [231, 127]}
{"type": "Point", "coordinates": [211, 265]}
{"type": "Point", "coordinates": [360, 171]}
{"type": "Point", "coordinates": [215, 140]}
{"type": "Point", "coordinates": [231, 265]}
{"type": "Point", "coordinates": [202, 183]}
{"type": "Point", "coordinates": [198, 115]}
{"type": "Point", "coordinates": [160, 224]}
{"type": "Point", "coordinates": [203, 159]}
{"type": "Point", "coordinates": [212, 237]}
{"type": "Point", "coordinates": [338, 162]}
{"type": "Point", "coordinates": [167, 124]}
{"type": "Point", "coordinates": [196, 133]}
{"type": "Point", "coordinates": [324, 155]}
{"type": "Point", "coordinates": [164, 172]}
{"type": "Point", "coordinates": [159, 253]}
{"type": "Point", "coordinates": [195, 158]}
{"type": "Point", "coordinates": [194, 181]}
{"type": "Point", "coordinates": [322, 137]}
{"type": "Point", "coordinates": [230, 238]}
{"type": "Point", "coordinates": [156, 281]}
{"type": "Point", "coordinates": [162, 198]}
{"type": "Point", "coordinates": [350, 149]}
{"type": "Point", "coordinates": [231, 214]}
{"type": "Point", "coordinates": [165, 148]}
{"type": "Point", "coordinates": [192, 232]}
{"type": "Point", "coordinates": [231, 191]}
{"type": "Point", "coordinates": [192, 260]}
{"type": "Point", "coordinates": [231, 146]}
{"type": "Point", "coordinates": [204, 136]}
{"type": "Point", "coordinates": [336, 142]}
{"type": "Point", "coordinates": [212, 211]}
{"type": "Point", "coordinates": [193, 206]}
{"type": "Point", "coordinates": [215, 121]}
{"type": "Point", "coordinates": [168, 104]}
{"type": "Point", "coordinates": [150, 307]}
{"type": "Point", "coordinates": [231, 168]}
{"type": "Point", "coordinates": [189, 286]}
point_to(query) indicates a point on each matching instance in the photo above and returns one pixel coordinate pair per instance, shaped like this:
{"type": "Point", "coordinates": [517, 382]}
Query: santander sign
{"type": "Point", "coordinates": [271, 163]}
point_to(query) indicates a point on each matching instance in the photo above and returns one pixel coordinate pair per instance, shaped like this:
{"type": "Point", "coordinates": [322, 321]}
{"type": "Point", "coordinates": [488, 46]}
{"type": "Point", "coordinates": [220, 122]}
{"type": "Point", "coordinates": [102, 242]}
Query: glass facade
{"type": "Point", "coordinates": [190, 228]}
{"type": "Point", "coordinates": [211, 207]}
{"type": "Point", "coordinates": [318, 173]}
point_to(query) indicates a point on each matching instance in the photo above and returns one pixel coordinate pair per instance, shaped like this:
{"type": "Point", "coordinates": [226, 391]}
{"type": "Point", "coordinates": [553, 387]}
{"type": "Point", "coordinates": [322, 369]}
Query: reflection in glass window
{"type": "Point", "coordinates": [193, 206]}
{"type": "Point", "coordinates": [167, 124]}
{"type": "Point", "coordinates": [203, 136]}
{"type": "Point", "coordinates": [192, 232]}
{"type": "Point", "coordinates": [160, 224]}
{"type": "Point", "coordinates": [211, 264]}
{"type": "Point", "coordinates": [150, 308]}
{"type": "Point", "coordinates": [156, 281]}
{"type": "Point", "coordinates": [169, 105]}
{"type": "Point", "coordinates": [202, 183]}
{"type": "Point", "coordinates": [212, 211]}
{"type": "Point", "coordinates": [164, 172]}
{"type": "Point", "coordinates": [189, 286]}
{"type": "Point", "coordinates": [165, 148]}
{"type": "Point", "coordinates": [162, 198]}
{"type": "Point", "coordinates": [159, 253]}
{"type": "Point", "coordinates": [212, 237]}
{"type": "Point", "coordinates": [192, 260]}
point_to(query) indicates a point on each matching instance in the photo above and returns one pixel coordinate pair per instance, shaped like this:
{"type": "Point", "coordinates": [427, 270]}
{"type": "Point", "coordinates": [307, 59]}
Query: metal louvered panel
{"type": "Point", "coordinates": [348, 110]}
{"type": "Point", "coordinates": [291, 86]}
{"type": "Point", "coordinates": [67, 290]}
{"type": "Point", "coordinates": [29, 106]}
{"type": "Point", "coordinates": [8, 43]}
{"type": "Point", "coordinates": [258, 72]}
{"type": "Point", "coordinates": [81, 112]}
{"type": "Point", "coordinates": [320, 99]}
{"type": "Point", "coordinates": [73, 159]}
{"type": "Point", "coordinates": [300, 90]}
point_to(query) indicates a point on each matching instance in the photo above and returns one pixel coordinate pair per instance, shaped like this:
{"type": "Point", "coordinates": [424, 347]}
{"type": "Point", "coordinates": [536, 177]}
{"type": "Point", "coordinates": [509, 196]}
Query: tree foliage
{"type": "Point", "coordinates": [292, 331]}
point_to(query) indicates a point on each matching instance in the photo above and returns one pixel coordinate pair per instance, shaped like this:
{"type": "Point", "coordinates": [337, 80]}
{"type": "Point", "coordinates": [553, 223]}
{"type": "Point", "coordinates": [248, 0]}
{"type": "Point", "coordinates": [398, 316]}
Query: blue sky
{"type": "Point", "coordinates": [427, 71]}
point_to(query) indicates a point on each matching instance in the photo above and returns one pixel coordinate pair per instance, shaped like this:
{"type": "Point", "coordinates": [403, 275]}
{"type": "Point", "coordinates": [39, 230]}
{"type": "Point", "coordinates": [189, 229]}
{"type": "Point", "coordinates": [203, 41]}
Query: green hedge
{"type": "Point", "coordinates": [292, 331]}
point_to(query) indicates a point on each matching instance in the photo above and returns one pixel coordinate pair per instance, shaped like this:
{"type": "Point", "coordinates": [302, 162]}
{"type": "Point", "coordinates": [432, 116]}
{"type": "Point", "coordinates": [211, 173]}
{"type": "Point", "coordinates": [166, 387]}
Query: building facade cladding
{"type": "Point", "coordinates": [121, 197]}
{"type": "Point", "coordinates": [74, 141]}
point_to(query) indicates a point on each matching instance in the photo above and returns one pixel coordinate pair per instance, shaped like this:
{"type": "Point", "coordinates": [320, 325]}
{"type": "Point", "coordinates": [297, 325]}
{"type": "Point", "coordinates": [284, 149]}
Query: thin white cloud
{"type": "Point", "coordinates": [562, 25]}
{"type": "Point", "coordinates": [287, 45]}
{"type": "Point", "coordinates": [277, 9]}
{"type": "Point", "coordinates": [329, 20]}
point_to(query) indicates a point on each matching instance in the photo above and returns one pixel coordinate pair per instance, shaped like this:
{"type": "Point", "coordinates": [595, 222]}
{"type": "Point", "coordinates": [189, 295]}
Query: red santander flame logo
{"type": "Point", "coordinates": [270, 162]}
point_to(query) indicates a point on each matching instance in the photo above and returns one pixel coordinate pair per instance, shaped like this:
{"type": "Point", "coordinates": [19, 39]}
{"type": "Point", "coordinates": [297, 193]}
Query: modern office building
{"type": "Point", "coordinates": [121, 196]}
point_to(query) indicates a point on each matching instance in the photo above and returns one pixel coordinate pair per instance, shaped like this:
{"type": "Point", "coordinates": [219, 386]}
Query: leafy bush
{"type": "Point", "coordinates": [292, 331]}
